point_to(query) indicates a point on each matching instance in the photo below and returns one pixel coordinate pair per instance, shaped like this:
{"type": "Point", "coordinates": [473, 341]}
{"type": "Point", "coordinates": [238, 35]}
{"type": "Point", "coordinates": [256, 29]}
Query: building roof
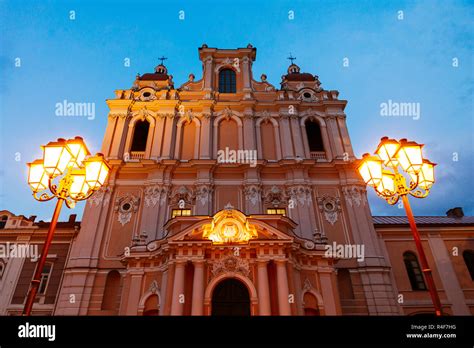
{"type": "Point", "coordinates": [300, 77]}
{"type": "Point", "coordinates": [424, 220]}
{"type": "Point", "coordinates": [153, 77]}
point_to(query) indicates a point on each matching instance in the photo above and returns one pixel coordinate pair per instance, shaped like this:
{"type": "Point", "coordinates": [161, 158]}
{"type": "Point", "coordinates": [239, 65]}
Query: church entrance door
{"type": "Point", "coordinates": [231, 297]}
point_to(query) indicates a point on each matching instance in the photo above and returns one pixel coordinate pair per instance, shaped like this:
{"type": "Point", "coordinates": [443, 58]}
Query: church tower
{"type": "Point", "coordinates": [222, 185]}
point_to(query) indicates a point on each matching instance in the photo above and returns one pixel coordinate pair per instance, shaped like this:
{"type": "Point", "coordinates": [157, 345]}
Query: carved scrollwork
{"type": "Point", "coordinates": [203, 193]}
{"type": "Point", "coordinates": [355, 195]}
{"type": "Point", "coordinates": [125, 206]}
{"type": "Point", "coordinates": [331, 207]}
{"type": "Point", "coordinates": [252, 194]}
{"type": "Point", "coordinates": [100, 197]}
{"type": "Point", "coordinates": [155, 194]}
{"type": "Point", "coordinates": [300, 194]}
{"type": "Point", "coordinates": [230, 263]}
{"type": "Point", "coordinates": [182, 193]}
{"type": "Point", "coordinates": [275, 196]}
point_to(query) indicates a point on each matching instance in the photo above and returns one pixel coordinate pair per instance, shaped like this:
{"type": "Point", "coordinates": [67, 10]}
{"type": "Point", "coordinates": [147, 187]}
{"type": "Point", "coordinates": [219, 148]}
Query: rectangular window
{"type": "Point", "coordinates": [45, 276]}
{"type": "Point", "coordinates": [180, 212]}
{"type": "Point", "coordinates": [276, 211]}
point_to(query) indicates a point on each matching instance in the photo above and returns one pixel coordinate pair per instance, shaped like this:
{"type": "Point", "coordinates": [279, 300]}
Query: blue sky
{"type": "Point", "coordinates": [82, 60]}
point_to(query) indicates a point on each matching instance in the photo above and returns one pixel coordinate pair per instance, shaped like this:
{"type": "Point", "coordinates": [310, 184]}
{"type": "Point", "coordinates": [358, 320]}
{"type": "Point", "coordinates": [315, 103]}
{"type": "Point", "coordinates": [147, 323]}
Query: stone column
{"type": "Point", "coordinates": [167, 150]}
{"type": "Point", "coordinates": [198, 288]}
{"type": "Point", "coordinates": [298, 297]}
{"type": "Point", "coordinates": [134, 293]}
{"type": "Point", "coordinates": [329, 293]}
{"type": "Point", "coordinates": [263, 290]}
{"type": "Point", "coordinates": [208, 73]}
{"type": "Point", "coordinates": [206, 135]}
{"type": "Point", "coordinates": [334, 136]}
{"type": "Point", "coordinates": [178, 289]}
{"type": "Point", "coordinates": [246, 73]}
{"type": "Point", "coordinates": [285, 134]}
{"type": "Point", "coordinates": [297, 137]}
{"type": "Point", "coordinates": [156, 148]}
{"type": "Point", "coordinates": [448, 276]}
{"type": "Point", "coordinates": [283, 290]}
{"type": "Point", "coordinates": [109, 133]}
{"type": "Point", "coordinates": [119, 138]}
{"type": "Point", "coordinates": [164, 286]}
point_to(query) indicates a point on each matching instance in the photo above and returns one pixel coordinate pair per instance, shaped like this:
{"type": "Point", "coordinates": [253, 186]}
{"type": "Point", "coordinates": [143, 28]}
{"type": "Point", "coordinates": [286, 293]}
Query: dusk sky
{"type": "Point", "coordinates": [421, 55]}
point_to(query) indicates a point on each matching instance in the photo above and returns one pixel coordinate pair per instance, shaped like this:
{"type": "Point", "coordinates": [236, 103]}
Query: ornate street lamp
{"type": "Point", "coordinates": [70, 175]}
{"type": "Point", "coordinates": [381, 172]}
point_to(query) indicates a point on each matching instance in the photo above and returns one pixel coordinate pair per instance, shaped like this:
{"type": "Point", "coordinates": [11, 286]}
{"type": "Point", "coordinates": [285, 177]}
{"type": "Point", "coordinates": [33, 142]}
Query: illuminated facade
{"type": "Point", "coordinates": [222, 196]}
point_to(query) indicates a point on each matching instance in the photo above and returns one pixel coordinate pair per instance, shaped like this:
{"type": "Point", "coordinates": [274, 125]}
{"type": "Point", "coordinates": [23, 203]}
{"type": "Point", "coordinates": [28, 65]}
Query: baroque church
{"type": "Point", "coordinates": [178, 231]}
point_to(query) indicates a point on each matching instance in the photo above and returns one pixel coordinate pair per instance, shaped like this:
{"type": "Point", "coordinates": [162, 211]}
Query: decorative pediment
{"type": "Point", "coordinates": [230, 226]}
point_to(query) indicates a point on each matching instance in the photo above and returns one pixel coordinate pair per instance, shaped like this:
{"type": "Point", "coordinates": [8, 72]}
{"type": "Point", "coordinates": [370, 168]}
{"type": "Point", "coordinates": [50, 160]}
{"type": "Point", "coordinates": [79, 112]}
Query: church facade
{"type": "Point", "coordinates": [224, 197]}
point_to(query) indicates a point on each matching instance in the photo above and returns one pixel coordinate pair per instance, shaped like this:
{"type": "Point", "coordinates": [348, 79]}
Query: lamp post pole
{"type": "Point", "coordinates": [381, 173]}
{"type": "Point", "coordinates": [424, 263]}
{"type": "Point", "coordinates": [44, 254]}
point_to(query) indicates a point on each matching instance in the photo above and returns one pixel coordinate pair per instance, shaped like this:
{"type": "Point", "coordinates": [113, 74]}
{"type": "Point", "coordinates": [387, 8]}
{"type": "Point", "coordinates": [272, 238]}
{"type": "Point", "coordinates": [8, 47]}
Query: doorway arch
{"type": "Point", "coordinates": [230, 298]}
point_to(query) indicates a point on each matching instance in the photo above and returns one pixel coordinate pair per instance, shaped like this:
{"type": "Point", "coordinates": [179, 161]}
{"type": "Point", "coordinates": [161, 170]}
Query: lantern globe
{"type": "Point", "coordinates": [387, 150]}
{"type": "Point", "coordinates": [426, 176]}
{"type": "Point", "coordinates": [387, 184]}
{"type": "Point", "coordinates": [97, 171]}
{"type": "Point", "coordinates": [38, 179]}
{"type": "Point", "coordinates": [410, 156]}
{"type": "Point", "coordinates": [370, 168]}
{"type": "Point", "coordinates": [78, 150]}
{"type": "Point", "coordinates": [56, 157]}
{"type": "Point", "coordinates": [79, 188]}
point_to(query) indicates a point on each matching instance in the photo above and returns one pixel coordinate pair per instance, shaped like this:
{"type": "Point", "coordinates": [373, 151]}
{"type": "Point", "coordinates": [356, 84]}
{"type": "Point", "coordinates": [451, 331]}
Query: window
{"type": "Point", "coordinates": [44, 280]}
{"type": "Point", "coordinates": [3, 221]}
{"type": "Point", "coordinates": [180, 212]}
{"type": "Point", "coordinates": [227, 81]}
{"type": "Point", "coordinates": [276, 211]}
{"type": "Point", "coordinates": [414, 271]}
{"type": "Point", "coordinates": [468, 256]}
{"type": "Point", "coordinates": [140, 135]}
{"type": "Point", "coordinates": [313, 134]}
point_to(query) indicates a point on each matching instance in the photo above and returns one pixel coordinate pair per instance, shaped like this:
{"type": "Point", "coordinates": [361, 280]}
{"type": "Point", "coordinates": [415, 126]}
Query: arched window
{"type": "Point", "coordinates": [3, 221]}
{"type": "Point", "coordinates": [140, 135]}
{"type": "Point", "coordinates": [111, 291]}
{"type": "Point", "coordinates": [468, 256]}
{"type": "Point", "coordinates": [313, 134]}
{"type": "Point", "coordinates": [227, 82]}
{"type": "Point", "coordinates": [414, 271]}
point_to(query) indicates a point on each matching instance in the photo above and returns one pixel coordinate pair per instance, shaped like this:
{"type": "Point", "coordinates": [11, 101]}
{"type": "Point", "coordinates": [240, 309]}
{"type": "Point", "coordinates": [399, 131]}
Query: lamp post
{"type": "Point", "coordinates": [70, 174]}
{"type": "Point", "coordinates": [381, 172]}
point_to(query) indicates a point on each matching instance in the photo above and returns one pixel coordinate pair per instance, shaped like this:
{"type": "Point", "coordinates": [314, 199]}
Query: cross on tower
{"type": "Point", "coordinates": [291, 58]}
{"type": "Point", "coordinates": [162, 59]}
